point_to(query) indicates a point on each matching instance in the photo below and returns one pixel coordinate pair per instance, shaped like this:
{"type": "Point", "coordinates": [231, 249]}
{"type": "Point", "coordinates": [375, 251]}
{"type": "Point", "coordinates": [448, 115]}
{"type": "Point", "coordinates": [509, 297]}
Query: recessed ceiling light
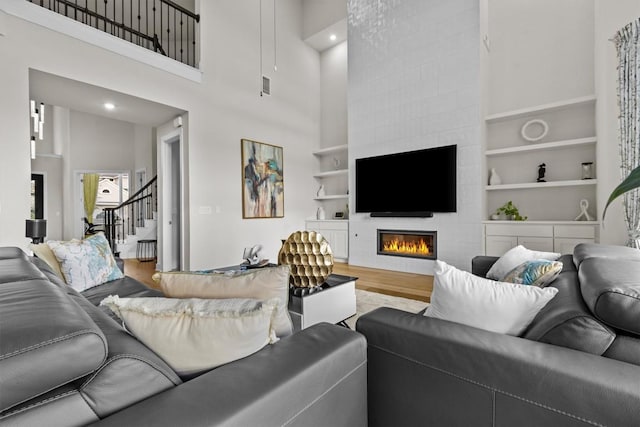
{"type": "Point", "coordinates": [109, 106]}
{"type": "Point", "coordinates": [333, 37]}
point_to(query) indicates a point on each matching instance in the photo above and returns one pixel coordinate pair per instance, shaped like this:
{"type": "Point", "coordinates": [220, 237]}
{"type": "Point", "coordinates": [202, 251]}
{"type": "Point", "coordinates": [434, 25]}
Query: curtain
{"type": "Point", "coordinates": [90, 187]}
{"type": "Point", "coordinates": [627, 42]}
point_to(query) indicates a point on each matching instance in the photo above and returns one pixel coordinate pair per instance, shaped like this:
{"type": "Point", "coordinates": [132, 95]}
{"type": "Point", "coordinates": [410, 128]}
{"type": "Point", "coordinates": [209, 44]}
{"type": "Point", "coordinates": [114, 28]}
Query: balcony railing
{"type": "Point", "coordinates": [159, 25]}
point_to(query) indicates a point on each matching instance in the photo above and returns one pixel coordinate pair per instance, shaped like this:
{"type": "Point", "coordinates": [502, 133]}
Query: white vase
{"type": "Point", "coordinates": [320, 213]}
{"type": "Point", "coordinates": [494, 178]}
{"type": "Point", "coordinates": [320, 192]}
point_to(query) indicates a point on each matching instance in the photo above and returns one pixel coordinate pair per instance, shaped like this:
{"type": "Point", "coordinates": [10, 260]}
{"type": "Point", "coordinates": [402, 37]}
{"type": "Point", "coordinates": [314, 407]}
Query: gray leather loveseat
{"type": "Point", "coordinates": [577, 364]}
{"type": "Point", "coordinates": [65, 362]}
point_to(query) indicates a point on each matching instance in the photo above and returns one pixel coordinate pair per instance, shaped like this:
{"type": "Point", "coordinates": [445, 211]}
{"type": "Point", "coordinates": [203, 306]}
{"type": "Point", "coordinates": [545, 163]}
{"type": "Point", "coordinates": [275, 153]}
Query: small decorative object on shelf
{"type": "Point", "coordinates": [320, 192]}
{"type": "Point", "coordinates": [541, 171]}
{"type": "Point", "coordinates": [532, 124]}
{"type": "Point", "coordinates": [494, 178]}
{"type": "Point", "coordinates": [584, 214]}
{"type": "Point", "coordinates": [510, 211]}
{"type": "Point", "coordinates": [336, 163]}
{"type": "Point", "coordinates": [587, 170]}
{"type": "Point", "coordinates": [320, 214]}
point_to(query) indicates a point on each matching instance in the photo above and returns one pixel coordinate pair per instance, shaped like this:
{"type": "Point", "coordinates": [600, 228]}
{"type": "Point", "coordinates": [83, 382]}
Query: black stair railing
{"type": "Point", "coordinates": [159, 25]}
{"type": "Point", "coordinates": [124, 218]}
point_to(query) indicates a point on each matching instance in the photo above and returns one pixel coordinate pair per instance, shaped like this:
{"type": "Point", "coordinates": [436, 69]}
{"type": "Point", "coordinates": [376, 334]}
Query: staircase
{"type": "Point", "coordinates": [133, 221]}
{"type": "Point", "coordinates": [128, 247]}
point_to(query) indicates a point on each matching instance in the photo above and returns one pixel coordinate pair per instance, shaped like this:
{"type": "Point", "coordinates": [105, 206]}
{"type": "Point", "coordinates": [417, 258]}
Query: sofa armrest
{"type": "Point", "coordinates": [315, 377]}
{"type": "Point", "coordinates": [481, 264]}
{"type": "Point", "coordinates": [425, 371]}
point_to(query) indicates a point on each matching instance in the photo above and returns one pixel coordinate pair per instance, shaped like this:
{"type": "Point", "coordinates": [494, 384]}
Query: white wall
{"type": "Point", "coordinates": [333, 123]}
{"type": "Point", "coordinates": [540, 51]}
{"type": "Point", "coordinates": [224, 108]}
{"type": "Point", "coordinates": [609, 18]}
{"type": "Point", "coordinates": [414, 83]}
{"type": "Point", "coordinates": [144, 150]}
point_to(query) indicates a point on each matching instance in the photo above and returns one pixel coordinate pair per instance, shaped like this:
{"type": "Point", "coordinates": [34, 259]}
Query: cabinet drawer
{"type": "Point", "coordinates": [335, 224]}
{"type": "Point", "coordinates": [537, 230]}
{"type": "Point", "coordinates": [566, 245]}
{"type": "Point", "coordinates": [544, 244]}
{"type": "Point", "coordinates": [575, 231]}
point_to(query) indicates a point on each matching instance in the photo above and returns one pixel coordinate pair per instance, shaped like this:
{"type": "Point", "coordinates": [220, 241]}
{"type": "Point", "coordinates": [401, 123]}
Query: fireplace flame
{"type": "Point", "coordinates": [416, 247]}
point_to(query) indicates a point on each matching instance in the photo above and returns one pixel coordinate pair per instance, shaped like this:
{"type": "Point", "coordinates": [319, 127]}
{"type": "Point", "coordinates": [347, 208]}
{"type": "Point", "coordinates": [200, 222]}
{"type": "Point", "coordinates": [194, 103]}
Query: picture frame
{"type": "Point", "coordinates": [262, 180]}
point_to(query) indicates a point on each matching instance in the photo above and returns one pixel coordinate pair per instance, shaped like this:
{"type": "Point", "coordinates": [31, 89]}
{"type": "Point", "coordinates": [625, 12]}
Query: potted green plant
{"type": "Point", "coordinates": [630, 183]}
{"type": "Point", "coordinates": [510, 211]}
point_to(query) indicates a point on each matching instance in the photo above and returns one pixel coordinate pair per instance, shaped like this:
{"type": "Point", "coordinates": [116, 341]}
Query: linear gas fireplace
{"type": "Point", "coordinates": [413, 244]}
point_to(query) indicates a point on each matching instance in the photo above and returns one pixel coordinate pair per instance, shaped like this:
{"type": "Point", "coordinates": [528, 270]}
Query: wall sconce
{"type": "Point", "coordinates": [36, 230]}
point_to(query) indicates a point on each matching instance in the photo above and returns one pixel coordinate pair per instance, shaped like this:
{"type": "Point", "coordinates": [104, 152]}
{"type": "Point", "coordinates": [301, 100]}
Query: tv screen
{"type": "Point", "coordinates": [412, 183]}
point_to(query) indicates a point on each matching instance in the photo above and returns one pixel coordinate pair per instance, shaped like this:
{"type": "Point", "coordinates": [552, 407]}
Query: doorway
{"type": "Point", "coordinates": [171, 194]}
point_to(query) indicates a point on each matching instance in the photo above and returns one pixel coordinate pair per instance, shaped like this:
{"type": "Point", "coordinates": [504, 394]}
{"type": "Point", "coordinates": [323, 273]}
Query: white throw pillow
{"type": "Point", "coordinates": [506, 308]}
{"type": "Point", "coordinates": [514, 257]}
{"type": "Point", "coordinates": [264, 284]}
{"type": "Point", "coordinates": [195, 335]}
{"type": "Point", "coordinates": [86, 263]}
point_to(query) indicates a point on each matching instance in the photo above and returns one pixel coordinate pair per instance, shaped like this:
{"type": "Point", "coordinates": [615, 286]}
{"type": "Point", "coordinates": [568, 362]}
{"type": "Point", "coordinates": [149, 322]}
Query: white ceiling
{"type": "Point", "coordinates": [55, 90]}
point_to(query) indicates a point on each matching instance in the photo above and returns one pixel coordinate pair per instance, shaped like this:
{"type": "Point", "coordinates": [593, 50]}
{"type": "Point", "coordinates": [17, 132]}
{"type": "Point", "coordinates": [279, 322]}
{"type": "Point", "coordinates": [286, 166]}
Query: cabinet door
{"type": "Point", "coordinates": [565, 245]}
{"type": "Point", "coordinates": [544, 244]}
{"type": "Point", "coordinates": [340, 244]}
{"type": "Point", "coordinates": [498, 245]}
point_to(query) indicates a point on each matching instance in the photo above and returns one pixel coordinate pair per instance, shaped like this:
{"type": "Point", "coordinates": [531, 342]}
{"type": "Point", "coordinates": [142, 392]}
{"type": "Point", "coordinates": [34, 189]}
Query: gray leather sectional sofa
{"type": "Point", "coordinates": [66, 362]}
{"type": "Point", "coordinates": [577, 364]}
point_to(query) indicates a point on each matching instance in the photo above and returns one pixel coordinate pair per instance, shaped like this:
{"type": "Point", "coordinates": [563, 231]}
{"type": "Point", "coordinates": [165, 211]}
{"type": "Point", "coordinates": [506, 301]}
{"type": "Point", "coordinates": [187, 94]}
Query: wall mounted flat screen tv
{"type": "Point", "coordinates": [408, 184]}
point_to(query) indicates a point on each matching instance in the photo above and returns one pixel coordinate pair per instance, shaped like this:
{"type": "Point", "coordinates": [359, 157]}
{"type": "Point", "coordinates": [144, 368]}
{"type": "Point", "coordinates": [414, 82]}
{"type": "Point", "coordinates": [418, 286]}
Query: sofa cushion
{"type": "Point", "coordinates": [196, 335]}
{"type": "Point", "coordinates": [86, 263]}
{"type": "Point", "coordinates": [44, 252]}
{"type": "Point", "coordinates": [461, 297]}
{"type": "Point", "coordinates": [584, 251]}
{"type": "Point", "coordinates": [611, 289]}
{"type": "Point", "coordinates": [514, 257]}
{"type": "Point", "coordinates": [566, 321]}
{"type": "Point", "coordinates": [47, 340]}
{"type": "Point", "coordinates": [625, 348]}
{"type": "Point", "coordinates": [263, 284]}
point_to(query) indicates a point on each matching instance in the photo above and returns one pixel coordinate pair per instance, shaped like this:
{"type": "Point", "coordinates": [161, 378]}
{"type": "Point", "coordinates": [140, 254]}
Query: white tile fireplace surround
{"type": "Point", "coordinates": [414, 83]}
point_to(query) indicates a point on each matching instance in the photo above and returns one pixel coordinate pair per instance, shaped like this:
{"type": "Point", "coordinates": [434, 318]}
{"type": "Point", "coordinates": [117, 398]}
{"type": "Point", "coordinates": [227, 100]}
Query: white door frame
{"type": "Point", "coordinates": [165, 241]}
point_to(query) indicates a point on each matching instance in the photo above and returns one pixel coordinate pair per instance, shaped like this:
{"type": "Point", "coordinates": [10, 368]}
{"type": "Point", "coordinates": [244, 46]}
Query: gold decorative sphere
{"type": "Point", "coordinates": [310, 257]}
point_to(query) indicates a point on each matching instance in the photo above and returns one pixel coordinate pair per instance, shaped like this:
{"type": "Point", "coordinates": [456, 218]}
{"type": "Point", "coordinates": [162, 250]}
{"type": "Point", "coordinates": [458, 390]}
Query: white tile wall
{"type": "Point", "coordinates": [414, 83]}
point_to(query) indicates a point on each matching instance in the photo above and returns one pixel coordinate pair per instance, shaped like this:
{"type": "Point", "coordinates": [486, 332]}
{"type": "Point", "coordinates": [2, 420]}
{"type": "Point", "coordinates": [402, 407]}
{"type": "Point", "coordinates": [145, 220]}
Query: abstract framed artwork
{"type": "Point", "coordinates": [262, 180]}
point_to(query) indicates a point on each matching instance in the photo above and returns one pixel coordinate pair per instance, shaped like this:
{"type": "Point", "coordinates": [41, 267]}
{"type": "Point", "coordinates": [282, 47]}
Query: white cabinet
{"type": "Point", "coordinates": [567, 140]}
{"type": "Point", "coordinates": [562, 237]}
{"type": "Point", "coordinates": [337, 234]}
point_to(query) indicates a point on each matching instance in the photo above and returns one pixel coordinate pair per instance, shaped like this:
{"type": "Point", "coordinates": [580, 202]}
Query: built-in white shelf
{"type": "Point", "coordinates": [555, 145]}
{"type": "Point", "coordinates": [330, 150]}
{"type": "Point", "coordinates": [544, 108]}
{"type": "Point", "coordinates": [331, 173]}
{"type": "Point", "coordinates": [526, 185]}
{"type": "Point", "coordinates": [332, 197]}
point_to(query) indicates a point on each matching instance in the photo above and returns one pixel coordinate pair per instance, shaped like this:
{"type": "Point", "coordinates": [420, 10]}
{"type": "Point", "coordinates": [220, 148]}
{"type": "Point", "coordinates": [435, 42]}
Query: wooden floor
{"type": "Point", "coordinates": [407, 285]}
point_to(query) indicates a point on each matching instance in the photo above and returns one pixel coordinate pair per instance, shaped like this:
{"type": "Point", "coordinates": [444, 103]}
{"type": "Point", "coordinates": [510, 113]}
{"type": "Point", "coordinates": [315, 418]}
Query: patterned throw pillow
{"type": "Point", "coordinates": [86, 263]}
{"type": "Point", "coordinates": [539, 272]}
